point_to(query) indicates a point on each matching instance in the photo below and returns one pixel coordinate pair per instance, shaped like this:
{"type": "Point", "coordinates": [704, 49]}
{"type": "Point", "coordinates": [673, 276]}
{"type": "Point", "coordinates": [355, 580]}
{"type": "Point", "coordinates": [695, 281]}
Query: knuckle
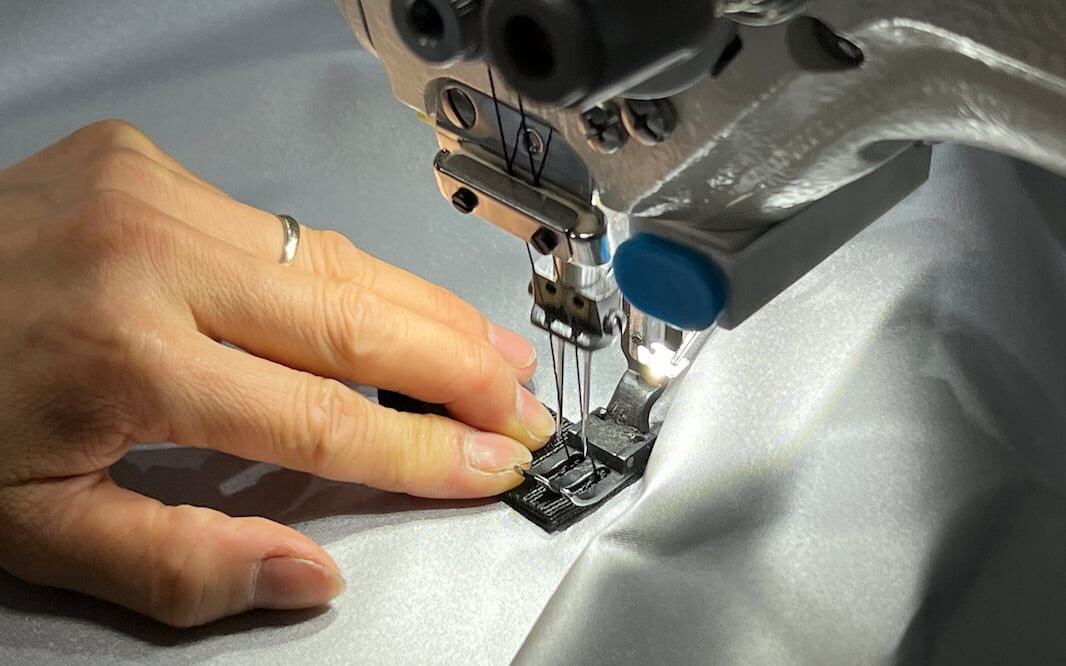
{"type": "Point", "coordinates": [334, 424]}
{"type": "Point", "coordinates": [106, 205]}
{"type": "Point", "coordinates": [352, 313]}
{"type": "Point", "coordinates": [130, 171]}
{"type": "Point", "coordinates": [478, 371]}
{"type": "Point", "coordinates": [113, 223]}
{"type": "Point", "coordinates": [179, 588]}
{"type": "Point", "coordinates": [414, 461]}
{"type": "Point", "coordinates": [490, 371]}
{"type": "Point", "coordinates": [380, 462]}
{"type": "Point", "coordinates": [121, 167]}
{"type": "Point", "coordinates": [112, 131]}
{"type": "Point", "coordinates": [447, 307]}
{"type": "Point", "coordinates": [378, 447]}
{"type": "Point", "coordinates": [336, 256]}
{"type": "Point", "coordinates": [102, 218]}
{"type": "Point", "coordinates": [396, 452]}
{"type": "Point", "coordinates": [100, 227]}
{"type": "Point", "coordinates": [390, 467]}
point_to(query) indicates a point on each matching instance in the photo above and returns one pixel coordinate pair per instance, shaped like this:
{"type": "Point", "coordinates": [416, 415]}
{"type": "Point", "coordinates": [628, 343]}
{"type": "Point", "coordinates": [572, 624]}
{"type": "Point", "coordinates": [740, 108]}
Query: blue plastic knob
{"type": "Point", "coordinates": [669, 281]}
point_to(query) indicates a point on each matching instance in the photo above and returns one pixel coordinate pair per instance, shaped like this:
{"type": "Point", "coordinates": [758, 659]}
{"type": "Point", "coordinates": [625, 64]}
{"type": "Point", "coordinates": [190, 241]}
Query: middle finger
{"type": "Point", "coordinates": [338, 329]}
{"type": "Point", "coordinates": [325, 253]}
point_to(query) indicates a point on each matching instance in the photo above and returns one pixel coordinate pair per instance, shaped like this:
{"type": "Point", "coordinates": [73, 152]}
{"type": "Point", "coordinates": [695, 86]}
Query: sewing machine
{"type": "Point", "coordinates": [674, 166]}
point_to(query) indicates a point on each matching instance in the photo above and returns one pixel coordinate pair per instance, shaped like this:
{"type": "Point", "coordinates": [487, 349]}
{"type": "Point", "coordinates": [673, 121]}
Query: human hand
{"type": "Point", "coordinates": [120, 273]}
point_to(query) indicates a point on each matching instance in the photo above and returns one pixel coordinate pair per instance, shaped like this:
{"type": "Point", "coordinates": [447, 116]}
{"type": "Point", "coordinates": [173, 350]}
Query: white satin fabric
{"type": "Point", "coordinates": [871, 470]}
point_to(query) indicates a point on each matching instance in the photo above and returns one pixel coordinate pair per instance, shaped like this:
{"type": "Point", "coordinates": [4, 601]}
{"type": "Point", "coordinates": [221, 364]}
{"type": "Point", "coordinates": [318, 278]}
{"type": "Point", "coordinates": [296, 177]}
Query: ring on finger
{"type": "Point", "coordinates": [292, 239]}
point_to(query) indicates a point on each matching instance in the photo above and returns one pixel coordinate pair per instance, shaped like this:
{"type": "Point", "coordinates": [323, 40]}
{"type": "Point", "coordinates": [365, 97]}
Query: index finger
{"type": "Point", "coordinates": [253, 408]}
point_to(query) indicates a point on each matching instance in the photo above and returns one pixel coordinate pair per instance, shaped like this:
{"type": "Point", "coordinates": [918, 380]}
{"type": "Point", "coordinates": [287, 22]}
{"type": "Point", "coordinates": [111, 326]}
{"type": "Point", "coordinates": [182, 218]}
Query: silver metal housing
{"type": "Point", "coordinates": [781, 127]}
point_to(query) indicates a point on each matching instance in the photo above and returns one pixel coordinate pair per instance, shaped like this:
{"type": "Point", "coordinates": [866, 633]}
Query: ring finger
{"type": "Point", "coordinates": [324, 253]}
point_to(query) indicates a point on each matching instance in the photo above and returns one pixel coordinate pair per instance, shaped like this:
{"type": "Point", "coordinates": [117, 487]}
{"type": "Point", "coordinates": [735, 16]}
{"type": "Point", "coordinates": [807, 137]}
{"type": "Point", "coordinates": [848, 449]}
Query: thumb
{"type": "Point", "coordinates": [183, 565]}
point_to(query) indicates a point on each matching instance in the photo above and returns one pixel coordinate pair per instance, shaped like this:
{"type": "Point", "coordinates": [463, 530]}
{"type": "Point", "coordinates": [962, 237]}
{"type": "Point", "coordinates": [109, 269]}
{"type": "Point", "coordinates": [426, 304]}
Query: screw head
{"type": "Point", "coordinates": [649, 121]}
{"type": "Point", "coordinates": [533, 142]}
{"type": "Point", "coordinates": [464, 201]}
{"type": "Point", "coordinates": [604, 129]}
{"type": "Point", "coordinates": [458, 108]}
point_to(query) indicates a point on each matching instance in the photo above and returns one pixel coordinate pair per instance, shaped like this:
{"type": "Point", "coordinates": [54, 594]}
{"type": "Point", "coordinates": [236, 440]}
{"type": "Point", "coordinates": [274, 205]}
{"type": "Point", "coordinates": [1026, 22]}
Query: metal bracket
{"type": "Point", "coordinates": [633, 400]}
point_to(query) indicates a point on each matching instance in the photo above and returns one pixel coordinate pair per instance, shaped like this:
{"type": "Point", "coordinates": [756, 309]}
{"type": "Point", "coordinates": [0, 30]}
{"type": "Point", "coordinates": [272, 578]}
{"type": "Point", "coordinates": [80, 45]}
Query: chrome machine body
{"type": "Point", "coordinates": [704, 154]}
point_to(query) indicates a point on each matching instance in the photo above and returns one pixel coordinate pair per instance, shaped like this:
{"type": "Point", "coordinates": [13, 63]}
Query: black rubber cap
{"type": "Point", "coordinates": [548, 50]}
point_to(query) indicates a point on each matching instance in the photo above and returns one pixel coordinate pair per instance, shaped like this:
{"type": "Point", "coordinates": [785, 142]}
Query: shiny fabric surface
{"type": "Point", "coordinates": [871, 470]}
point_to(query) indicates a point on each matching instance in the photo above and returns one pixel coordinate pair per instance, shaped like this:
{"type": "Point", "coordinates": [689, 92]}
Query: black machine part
{"type": "Point", "coordinates": [561, 476]}
{"type": "Point", "coordinates": [581, 52]}
{"type": "Point", "coordinates": [439, 31]}
{"type": "Point", "coordinates": [563, 485]}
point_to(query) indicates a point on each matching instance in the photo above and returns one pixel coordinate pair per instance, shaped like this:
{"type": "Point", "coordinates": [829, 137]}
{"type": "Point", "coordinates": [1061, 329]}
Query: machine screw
{"type": "Point", "coordinates": [604, 129]}
{"type": "Point", "coordinates": [533, 142]}
{"type": "Point", "coordinates": [459, 108]}
{"type": "Point", "coordinates": [464, 201]}
{"type": "Point", "coordinates": [649, 121]}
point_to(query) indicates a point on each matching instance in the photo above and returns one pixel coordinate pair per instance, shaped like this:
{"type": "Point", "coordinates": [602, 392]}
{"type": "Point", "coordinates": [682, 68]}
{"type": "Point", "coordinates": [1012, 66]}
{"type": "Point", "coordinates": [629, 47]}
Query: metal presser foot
{"type": "Point", "coordinates": [586, 463]}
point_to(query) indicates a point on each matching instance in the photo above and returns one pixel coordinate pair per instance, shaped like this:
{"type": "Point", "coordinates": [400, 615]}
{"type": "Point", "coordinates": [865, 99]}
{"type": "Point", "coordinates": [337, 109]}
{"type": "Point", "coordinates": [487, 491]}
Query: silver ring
{"type": "Point", "coordinates": [292, 239]}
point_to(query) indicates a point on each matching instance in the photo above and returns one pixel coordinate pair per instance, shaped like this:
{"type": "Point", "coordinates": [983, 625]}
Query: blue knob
{"type": "Point", "coordinates": [670, 281]}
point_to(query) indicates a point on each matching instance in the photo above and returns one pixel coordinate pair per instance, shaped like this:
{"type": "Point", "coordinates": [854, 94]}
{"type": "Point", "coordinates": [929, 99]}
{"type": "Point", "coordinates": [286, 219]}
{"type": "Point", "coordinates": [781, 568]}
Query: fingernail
{"type": "Point", "coordinates": [514, 349]}
{"type": "Point", "coordinates": [491, 453]}
{"type": "Point", "coordinates": [291, 582]}
{"type": "Point", "coordinates": [536, 418]}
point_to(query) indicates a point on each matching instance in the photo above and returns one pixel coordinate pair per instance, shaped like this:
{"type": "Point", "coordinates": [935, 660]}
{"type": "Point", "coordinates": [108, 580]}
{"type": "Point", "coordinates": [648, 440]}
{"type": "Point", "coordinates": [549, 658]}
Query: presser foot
{"type": "Point", "coordinates": [563, 486]}
{"type": "Point", "coordinates": [585, 464]}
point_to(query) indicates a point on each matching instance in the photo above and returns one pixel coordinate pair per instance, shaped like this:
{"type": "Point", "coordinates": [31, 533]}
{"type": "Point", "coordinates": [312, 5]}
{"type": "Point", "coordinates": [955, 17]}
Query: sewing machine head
{"type": "Point", "coordinates": [521, 97]}
{"type": "Point", "coordinates": [700, 156]}
{"type": "Point", "coordinates": [734, 143]}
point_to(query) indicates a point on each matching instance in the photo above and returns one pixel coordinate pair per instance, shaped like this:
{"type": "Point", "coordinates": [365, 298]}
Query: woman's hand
{"type": "Point", "coordinates": [119, 273]}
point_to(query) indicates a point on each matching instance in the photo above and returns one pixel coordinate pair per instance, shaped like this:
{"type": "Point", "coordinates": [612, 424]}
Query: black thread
{"type": "Point", "coordinates": [499, 119]}
{"type": "Point", "coordinates": [551, 345]}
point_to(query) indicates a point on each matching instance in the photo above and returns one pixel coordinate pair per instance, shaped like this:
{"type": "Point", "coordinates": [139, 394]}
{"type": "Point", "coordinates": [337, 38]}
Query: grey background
{"type": "Point", "coordinates": [868, 471]}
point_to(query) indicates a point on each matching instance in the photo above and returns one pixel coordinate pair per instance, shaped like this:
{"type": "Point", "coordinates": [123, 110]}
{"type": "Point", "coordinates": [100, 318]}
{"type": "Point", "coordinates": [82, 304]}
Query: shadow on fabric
{"type": "Point", "coordinates": [238, 487]}
{"type": "Point", "coordinates": [997, 594]}
{"type": "Point", "coordinates": [30, 599]}
{"type": "Point", "coordinates": [241, 488]}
